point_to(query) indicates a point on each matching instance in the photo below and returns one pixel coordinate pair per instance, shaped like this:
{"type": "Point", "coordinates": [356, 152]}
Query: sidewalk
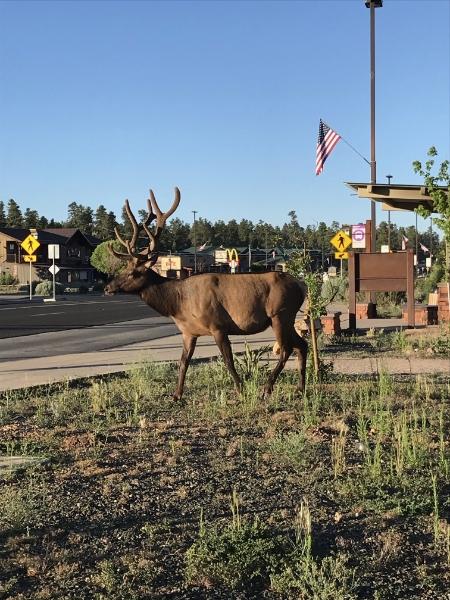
{"type": "Point", "coordinates": [37, 371]}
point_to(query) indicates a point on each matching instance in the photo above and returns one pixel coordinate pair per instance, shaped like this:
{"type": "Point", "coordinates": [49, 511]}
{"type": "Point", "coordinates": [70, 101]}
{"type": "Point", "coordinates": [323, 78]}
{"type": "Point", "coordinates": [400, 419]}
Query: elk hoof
{"type": "Point", "coordinates": [268, 389]}
{"type": "Point", "coordinates": [178, 399]}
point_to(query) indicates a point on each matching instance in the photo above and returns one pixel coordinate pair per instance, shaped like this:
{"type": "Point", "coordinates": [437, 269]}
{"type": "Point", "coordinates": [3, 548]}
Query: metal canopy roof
{"type": "Point", "coordinates": [396, 197]}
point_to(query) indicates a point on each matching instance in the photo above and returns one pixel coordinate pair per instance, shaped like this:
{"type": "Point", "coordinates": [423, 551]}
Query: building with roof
{"type": "Point", "coordinates": [75, 250]}
{"type": "Point", "coordinates": [215, 259]}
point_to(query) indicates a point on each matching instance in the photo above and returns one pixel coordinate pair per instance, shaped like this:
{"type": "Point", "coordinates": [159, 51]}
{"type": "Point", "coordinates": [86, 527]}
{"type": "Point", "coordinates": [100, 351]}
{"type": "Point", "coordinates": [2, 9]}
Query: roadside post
{"type": "Point", "coordinates": [53, 252]}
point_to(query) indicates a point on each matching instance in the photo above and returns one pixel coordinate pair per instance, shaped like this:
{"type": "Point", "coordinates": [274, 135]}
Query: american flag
{"type": "Point", "coordinates": [202, 247]}
{"type": "Point", "coordinates": [424, 248]}
{"type": "Point", "coordinates": [325, 144]}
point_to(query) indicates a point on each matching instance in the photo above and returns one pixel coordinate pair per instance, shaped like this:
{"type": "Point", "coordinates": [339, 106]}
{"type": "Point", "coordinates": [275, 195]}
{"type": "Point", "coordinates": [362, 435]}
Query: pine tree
{"type": "Point", "coordinates": [42, 223]}
{"type": "Point", "coordinates": [2, 215]}
{"type": "Point", "coordinates": [81, 217]}
{"type": "Point", "coordinates": [30, 218]}
{"type": "Point", "coordinates": [104, 223]}
{"type": "Point", "coordinates": [14, 217]}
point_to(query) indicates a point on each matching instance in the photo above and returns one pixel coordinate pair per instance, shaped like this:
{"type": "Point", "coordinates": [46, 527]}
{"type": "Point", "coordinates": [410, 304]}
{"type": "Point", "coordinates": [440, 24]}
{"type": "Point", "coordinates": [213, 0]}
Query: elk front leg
{"type": "Point", "coordinates": [225, 349]}
{"type": "Point", "coordinates": [189, 343]}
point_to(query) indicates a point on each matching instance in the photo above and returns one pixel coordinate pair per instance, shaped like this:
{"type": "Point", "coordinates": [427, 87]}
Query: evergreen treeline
{"type": "Point", "coordinates": [178, 235]}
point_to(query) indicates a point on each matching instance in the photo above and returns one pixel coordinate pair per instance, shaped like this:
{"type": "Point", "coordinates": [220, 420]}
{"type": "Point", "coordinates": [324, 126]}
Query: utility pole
{"type": "Point", "coordinates": [372, 5]}
{"type": "Point", "coordinates": [389, 177]}
{"type": "Point", "coordinates": [195, 243]}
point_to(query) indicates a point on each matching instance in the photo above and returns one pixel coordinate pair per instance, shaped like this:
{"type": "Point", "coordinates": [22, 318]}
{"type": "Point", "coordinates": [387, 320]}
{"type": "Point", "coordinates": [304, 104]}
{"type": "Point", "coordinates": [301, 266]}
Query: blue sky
{"type": "Point", "coordinates": [100, 101]}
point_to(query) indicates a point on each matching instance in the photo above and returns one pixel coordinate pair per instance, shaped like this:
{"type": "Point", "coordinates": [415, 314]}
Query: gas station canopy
{"type": "Point", "coordinates": [396, 197]}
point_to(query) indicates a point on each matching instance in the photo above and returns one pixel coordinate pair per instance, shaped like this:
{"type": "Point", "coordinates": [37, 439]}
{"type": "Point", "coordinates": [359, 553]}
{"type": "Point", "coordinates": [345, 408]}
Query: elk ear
{"type": "Point", "coordinates": [151, 261]}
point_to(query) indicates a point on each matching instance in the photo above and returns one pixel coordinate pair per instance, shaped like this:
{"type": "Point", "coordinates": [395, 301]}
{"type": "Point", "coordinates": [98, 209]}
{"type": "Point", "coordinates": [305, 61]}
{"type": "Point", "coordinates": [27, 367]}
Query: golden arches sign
{"type": "Point", "coordinates": [232, 255]}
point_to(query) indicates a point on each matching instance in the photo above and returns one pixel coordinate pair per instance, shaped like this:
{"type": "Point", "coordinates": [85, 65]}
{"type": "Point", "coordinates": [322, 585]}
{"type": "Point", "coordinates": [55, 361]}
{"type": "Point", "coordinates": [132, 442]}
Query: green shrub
{"type": "Point", "coordinates": [8, 279]}
{"type": "Point", "coordinates": [45, 288]}
{"type": "Point", "coordinates": [335, 289]}
{"type": "Point", "coordinates": [257, 268]}
{"type": "Point", "coordinates": [98, 287]}
{"type": "Point", "coordinates": [234, 556]}
{"type": "Point", "coordinates": [437, 274]}
{"type": "Point", "coordinates": [83, 288]}
{"type": "Point", "coordinates": [25, 287]}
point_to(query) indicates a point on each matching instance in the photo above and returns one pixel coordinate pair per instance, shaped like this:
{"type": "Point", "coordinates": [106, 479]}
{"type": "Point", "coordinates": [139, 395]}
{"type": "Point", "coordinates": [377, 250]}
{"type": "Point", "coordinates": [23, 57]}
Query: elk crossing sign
{"type": "Point", "coordinates": [341, 241]}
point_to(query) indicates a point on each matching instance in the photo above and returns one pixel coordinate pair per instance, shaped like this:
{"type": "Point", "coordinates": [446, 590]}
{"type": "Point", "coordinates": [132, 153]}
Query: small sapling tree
{"type": "Point", "coordinates": [436, 185]}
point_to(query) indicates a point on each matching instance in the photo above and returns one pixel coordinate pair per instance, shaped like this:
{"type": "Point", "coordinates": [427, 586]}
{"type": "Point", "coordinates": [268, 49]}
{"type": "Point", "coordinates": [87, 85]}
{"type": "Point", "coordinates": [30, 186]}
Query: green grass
{"type": "Point", "coordinates": [342, 493]}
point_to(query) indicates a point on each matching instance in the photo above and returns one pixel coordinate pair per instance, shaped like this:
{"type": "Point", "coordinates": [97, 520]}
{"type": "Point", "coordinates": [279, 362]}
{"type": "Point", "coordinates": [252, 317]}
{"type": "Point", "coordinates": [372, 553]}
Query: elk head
{"type": "Point", "coordinates": [138, 274]}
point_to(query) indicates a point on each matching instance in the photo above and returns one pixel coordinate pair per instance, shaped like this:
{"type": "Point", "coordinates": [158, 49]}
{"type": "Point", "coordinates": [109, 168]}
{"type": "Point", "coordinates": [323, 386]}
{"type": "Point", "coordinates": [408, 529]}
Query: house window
{"type": "Point", "coordinates": [83, 275]}
{"type": "Point", "coordinates": [73, 253]}
{"type": "Point", "coordinates": [11, 246]}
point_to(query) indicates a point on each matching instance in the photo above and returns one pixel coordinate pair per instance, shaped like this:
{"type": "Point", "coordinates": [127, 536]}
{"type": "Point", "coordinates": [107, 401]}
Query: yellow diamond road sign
{"type": "Point", "coordinates": [30, 244]}
{"type": "Point", "coordinates": [341, 240]}
{"type": "Point", "coordinates": [341, 255]}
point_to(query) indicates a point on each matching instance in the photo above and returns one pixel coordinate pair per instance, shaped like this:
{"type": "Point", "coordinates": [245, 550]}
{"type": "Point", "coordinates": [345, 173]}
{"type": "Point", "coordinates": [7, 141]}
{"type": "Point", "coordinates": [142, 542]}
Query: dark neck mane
{"type": "Point", "coordinates": [163, 295]}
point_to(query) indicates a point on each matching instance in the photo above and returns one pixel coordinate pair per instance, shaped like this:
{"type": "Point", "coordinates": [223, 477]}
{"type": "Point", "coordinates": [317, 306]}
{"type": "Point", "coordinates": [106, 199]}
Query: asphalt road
{"type": "Point", "coordinates": [83, 324]}
{"type": "Point", "coordinates": [22, 317]}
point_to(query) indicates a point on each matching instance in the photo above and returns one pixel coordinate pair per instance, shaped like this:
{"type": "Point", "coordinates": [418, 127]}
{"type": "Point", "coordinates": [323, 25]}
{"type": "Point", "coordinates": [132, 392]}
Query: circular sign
{"type": "Point", "coordinates": [358, 234]}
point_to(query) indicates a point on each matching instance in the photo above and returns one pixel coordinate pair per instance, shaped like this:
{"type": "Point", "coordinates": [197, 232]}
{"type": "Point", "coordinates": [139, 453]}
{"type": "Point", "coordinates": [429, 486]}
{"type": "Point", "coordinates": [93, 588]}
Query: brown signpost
{"type": "Point", "coordinates": [381, 273]}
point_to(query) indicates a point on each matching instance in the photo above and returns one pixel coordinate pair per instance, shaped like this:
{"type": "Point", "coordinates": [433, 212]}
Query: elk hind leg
{"type": "Point", "coordinates": [301, 349]}
{"type": "Point", "coordinates": [285, 342]}
{"type": "Point", "coordinates": [189, 344]}
{"type": "Point", "coordinates": [224, 345]}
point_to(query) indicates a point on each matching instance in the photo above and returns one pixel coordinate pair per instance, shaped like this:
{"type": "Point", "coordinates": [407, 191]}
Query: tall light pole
{"type": "Point", "coordinates": [372, 5]}
{"type": "Point", "coordinates": [389, 177]}
{"type": "Point", "coordinates": [195, 243]}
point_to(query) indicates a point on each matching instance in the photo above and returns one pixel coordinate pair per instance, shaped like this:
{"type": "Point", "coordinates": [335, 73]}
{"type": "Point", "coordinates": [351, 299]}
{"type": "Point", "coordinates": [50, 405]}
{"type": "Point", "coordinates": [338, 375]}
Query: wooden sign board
{"type": "Point", "coordinates": [170, 263]}
{"type": "Point", "coordinates": [381, 273]}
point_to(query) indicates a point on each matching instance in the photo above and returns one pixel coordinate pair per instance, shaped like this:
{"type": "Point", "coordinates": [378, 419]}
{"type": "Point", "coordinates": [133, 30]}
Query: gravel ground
{"type": "Point", "coordinates": [134, 480]}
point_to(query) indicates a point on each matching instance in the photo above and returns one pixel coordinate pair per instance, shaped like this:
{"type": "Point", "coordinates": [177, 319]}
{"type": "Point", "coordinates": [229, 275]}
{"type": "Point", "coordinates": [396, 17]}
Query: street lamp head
{"type": "Point", "coordinates": [376, 3]}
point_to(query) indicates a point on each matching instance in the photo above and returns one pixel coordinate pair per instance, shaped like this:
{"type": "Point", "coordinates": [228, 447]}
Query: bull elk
{"type": "Point", "coordinates": [216, 304]}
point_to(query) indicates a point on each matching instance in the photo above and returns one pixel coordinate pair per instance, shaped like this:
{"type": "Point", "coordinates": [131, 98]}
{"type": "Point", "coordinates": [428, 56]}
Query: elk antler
{"type": "Point", "coordinates": [137, 228]}
{"type": "Point", "coordinates": [161, 217]}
